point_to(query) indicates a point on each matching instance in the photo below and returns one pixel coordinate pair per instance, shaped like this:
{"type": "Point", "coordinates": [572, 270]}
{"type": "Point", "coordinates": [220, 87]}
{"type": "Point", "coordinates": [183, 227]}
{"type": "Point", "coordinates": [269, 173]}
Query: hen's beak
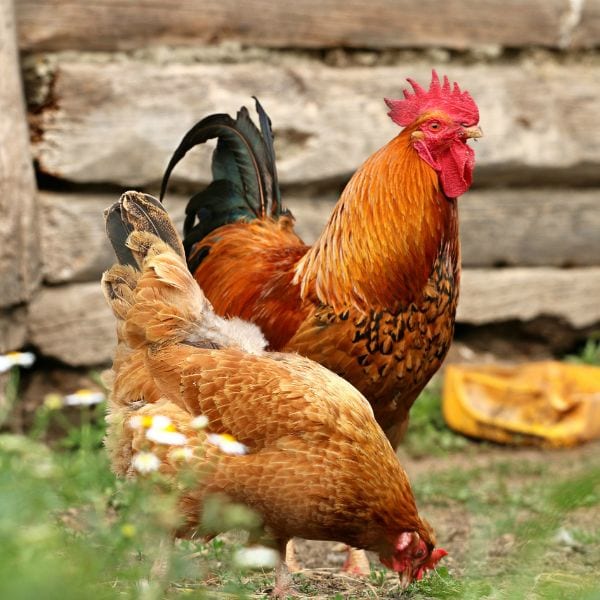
{"type": "Point", "coordinates": [473, 132]}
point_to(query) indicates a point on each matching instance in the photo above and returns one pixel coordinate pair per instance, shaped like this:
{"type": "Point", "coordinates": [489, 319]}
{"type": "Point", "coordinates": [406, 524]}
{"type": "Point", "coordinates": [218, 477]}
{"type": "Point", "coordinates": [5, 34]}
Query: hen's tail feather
{"type": "Point", "coordinates": [153, 292]}
{"type": "Point", "coordinates": [245, 184]}
{"type": "Point", "coordinates": [118, 285]}
{"type": "Point", "coordinates": [156, 300]}
{"type": "Point", "coordinates": [118, 231]}
{"type": "Point", "coordinates": [138, 212]}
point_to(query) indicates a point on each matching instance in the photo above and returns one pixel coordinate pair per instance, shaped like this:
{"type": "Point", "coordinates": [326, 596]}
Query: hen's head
{"type": "Point", "coordinates": [411, 557]}
{"type": "Point", "coordinates": [440, 121]}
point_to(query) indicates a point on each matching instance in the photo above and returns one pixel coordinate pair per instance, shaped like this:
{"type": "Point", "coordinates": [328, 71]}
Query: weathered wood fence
{"type": "Point", "coordinates": [111, 87]}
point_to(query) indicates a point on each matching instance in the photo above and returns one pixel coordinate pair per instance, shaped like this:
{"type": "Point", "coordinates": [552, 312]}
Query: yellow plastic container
{"type": "Point", "coordinates": [543, 403]}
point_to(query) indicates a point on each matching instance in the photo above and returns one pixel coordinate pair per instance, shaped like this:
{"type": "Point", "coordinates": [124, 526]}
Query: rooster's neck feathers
{"type": "Point", "coordinates": [380, 244]}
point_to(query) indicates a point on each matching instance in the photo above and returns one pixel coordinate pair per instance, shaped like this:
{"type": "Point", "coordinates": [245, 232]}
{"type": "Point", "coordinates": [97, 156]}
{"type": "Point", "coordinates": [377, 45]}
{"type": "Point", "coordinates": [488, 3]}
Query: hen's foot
{"type": "Point", "coordinates": [283, 583]}
{"type": "Point", "coordinates": [357, 563]}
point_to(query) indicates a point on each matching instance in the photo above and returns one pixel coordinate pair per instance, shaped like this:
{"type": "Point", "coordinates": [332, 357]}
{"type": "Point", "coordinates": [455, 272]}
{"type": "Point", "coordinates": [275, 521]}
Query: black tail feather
{"type": "Point", "coordinates": [267, 134]}
{"type": "Point", "coordinates": [245, 184]}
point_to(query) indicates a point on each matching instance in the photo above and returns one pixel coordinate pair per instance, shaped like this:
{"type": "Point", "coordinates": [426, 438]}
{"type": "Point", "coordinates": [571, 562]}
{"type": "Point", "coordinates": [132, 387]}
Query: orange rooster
{"type": "Point", "coordinates": [374, 299]}
{"type": "Point", "coordinates": [317, 464]}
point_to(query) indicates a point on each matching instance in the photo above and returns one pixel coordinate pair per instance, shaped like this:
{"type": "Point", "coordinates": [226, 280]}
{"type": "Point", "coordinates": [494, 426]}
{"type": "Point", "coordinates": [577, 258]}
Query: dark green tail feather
{"type": "Point", "coordinates": [245, 184]}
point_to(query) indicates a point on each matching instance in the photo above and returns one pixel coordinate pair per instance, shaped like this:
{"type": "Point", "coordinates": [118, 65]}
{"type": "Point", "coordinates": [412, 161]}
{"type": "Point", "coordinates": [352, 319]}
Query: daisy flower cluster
{"type": "Point", "coordinates": [160, 430]}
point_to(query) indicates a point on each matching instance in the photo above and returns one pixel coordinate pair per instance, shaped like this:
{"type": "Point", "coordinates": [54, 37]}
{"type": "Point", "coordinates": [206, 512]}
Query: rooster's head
{"type": "Point", "coordinates": [439, 122]}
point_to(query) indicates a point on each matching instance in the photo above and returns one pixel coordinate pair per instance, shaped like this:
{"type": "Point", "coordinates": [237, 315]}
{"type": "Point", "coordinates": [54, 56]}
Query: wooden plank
{"type": "Point", "coordinates": [75, 248]}
{"type": "Point", "coordinates": [18, 227]}
{"type": "Point", "coordinates": [530, 228]}
{"type": "Point", "coordinates": [118, 24]}
{"type": "Point", "coordinates": [13, 328]}
{"type": "Point", "coordinates": [491, 295]}
{"type": "Point", "coordinates": [587, 32]}
{"type": "Point", "coordinates": [73, 324]}
{"type": "Point", "coordinates": [498, 227]}
{"type": "Point", "coordinates": [120, 121]}
{"type": "Point", "coordinates": [511, 227]}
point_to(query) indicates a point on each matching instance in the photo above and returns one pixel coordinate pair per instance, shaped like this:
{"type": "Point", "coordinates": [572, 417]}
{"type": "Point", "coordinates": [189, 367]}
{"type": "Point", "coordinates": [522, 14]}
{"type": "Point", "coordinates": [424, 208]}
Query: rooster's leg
{"type": "Point", "coordinates": [357, 563]}
{"type": "Point", "coordinates": [290, 558]}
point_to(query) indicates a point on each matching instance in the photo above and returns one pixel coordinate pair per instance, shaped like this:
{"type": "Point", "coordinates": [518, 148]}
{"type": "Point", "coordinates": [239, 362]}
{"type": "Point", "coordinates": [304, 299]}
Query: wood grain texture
{"type": "Point", "coordinates": [73, 324]}
{"type": "Point", "coordinates": [120, 121]}
{"type": "Point", "coordinates": [505, 294]}
{"type": "Point", "coordinates": [587, 31]}
{"type": "Point", "coordinates": [497, 227]}
{"type": "Point", "coordinates": [18, 228]}
{"type": "Point", "coordinates": [118, 24]}
{"type": "Point", "coordinates": [544, 227]}
{"type": "Point", "coordinates": [13, 329]}
{"type": "Point", "coordinates": [504, 227]}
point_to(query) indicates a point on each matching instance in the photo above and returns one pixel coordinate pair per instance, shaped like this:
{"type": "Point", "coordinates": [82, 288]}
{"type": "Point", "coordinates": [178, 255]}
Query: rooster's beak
{"type": "Point", "coordinates": [473, 132]}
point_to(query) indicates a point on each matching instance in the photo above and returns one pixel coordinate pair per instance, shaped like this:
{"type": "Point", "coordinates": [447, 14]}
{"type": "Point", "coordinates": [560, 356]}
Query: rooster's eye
{"type": "Point", "coordinates": [434, 125]}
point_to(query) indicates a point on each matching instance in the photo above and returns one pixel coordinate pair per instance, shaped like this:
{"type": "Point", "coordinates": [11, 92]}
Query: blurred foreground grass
{"type": "Point", "coordinates": [517, 523]}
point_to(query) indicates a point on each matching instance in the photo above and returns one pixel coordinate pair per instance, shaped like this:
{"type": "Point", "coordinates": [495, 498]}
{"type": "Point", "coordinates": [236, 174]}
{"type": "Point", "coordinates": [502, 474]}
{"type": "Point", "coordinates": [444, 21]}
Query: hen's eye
{"type": "Point", "coordinates": [434, 125]}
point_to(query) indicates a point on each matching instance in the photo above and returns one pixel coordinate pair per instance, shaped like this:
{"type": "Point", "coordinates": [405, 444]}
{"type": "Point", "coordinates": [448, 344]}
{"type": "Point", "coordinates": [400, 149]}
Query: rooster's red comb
{"type": "Point", "coordinates": [440, 96]}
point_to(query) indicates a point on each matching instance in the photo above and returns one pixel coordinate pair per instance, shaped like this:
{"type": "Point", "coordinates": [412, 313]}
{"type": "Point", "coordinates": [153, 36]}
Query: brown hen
{"type": "Point", "coordinates": [317, 464]}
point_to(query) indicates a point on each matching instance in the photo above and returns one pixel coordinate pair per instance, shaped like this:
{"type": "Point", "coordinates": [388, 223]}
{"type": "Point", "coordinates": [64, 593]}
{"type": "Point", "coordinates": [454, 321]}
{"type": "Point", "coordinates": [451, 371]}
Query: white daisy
{"type": "Point", "coordinates": [16, 359]}
{"type": "Point", "coordinates": [145, 462]}
{"type": "Point", "coordinates": [166, 435]}
{"type": "Point", "coordinates": [84, 398]}
{"type": "Point", "coordinates": [227, 443]}
{"type": "Point", "coordinates": [199, 422]}
{"type": "Point", "coordinates": [256, 557]}
{"type": "Point", "coordinates": [148, 421]}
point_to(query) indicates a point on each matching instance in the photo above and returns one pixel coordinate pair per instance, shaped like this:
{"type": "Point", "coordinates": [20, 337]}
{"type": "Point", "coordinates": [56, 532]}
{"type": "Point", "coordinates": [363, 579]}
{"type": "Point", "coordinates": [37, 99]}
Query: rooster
{"type": "Point", "coordinates": [374, 299]}
{"type": "Point", "coordinates": [317, 464]}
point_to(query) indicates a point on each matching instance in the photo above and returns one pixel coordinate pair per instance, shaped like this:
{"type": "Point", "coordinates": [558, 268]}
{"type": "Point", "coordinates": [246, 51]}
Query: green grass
{"type": "Point", "coordinates": [589, 354]}
{"type": "Point", "coordinates": [70, 529]}
{"type": "Point", "coordinates": [428, 434]}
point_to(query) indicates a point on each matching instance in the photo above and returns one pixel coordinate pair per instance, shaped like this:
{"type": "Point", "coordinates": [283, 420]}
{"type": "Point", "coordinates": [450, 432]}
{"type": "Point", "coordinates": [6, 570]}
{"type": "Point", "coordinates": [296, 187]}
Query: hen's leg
{"type": "Point", "coordinates": [290, 558]}
{"type": "Point", "coordinates": [162, 563]}
{"type": "Point", "coordinates": [357, 563]}
{"type": "Point", "coordinates": [283, 578]}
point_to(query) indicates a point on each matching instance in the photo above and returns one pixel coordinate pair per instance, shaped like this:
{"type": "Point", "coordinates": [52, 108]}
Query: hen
{"type": "Point", "coordinates": [374, 300]}
{"type": "Point", "coordinates": [317, 464]}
